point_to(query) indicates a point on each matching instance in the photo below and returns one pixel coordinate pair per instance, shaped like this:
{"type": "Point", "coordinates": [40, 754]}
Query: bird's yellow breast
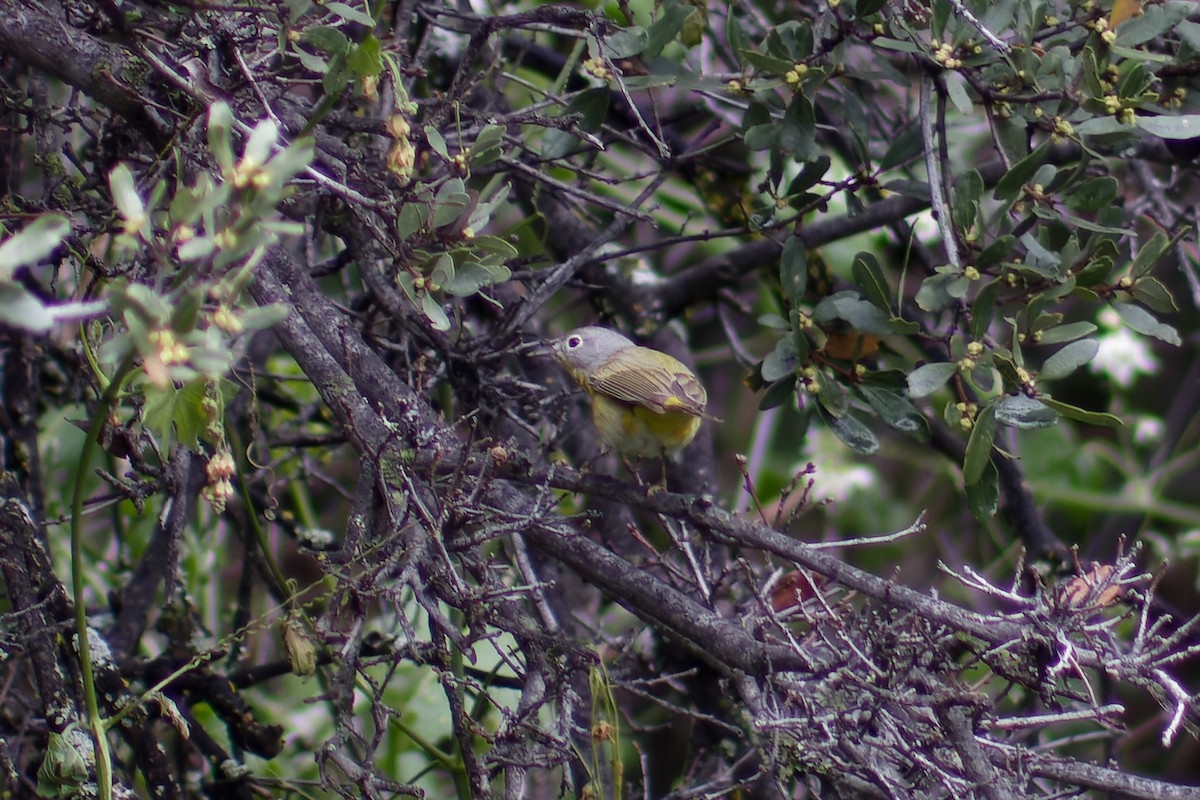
{"type": "Point", "coordinates": [640, 431]}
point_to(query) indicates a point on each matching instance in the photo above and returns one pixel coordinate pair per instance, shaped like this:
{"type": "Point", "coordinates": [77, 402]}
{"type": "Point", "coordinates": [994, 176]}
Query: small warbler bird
{"type": "Point", "coordinates": [644, 402]}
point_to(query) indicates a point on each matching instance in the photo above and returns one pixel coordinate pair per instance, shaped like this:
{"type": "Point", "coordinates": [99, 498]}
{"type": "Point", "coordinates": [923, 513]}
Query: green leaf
{"type": "Point", "coordinates": [832, 396]}
{"type": "Point", "coordinates": [979, 446]}
{"type": "Point", "coordinates": [793, 269]}
{"type": "Point", "coordinates": [350, 14]}
{"type": "Point", "coordinates": [1045, 262]}
{"type": "Point", "coordinates": [777, 394]}
{"type": "Point", "coordinates": [22, 310]}
{"type": "Point", "coordinates": [1069, 359]}
{"type": "Point", "coordinates": [863, 316]}
{"type": "Point", "coordinates": [928, 378]}
{"type": "Point", "coordinates": [1022, 411]}
{"type": "Point", "coordinates": [196, 249]}
{"type": "Point", "coordinates": [983, 378]}
{"type": "Point", "coordinates": [1066, 333]}
{"type": "Point", "coordinates": [983, 496]}
{"type": "Point", "coordinates": [940, 291]}
{"type": "Point", "coordinates": [799, 337]}
{"type": "Point", "coordinates": [966, 194]}
{"type": "Point", "coordinates": [1153, 293]}
{"type": "Point", "coordinates": [853, 433]}
{"type": "Point", "coordinates": [735, 34]}
{"type": "Point", "coordinates": [1135, 79]}
{"type": "Point", "coordinates": [451, 201]}
{"type": "Point", "coordinates": [768, 64]}
{"type": "Point", "coordinates": [261, 142]}
{"type": "Point", "coordinates": [694, 26]}
{"type": "Point", "coordinates": [469, 278]}
{"type": "Point", "coordinates": [313, 62]}
{"type": "Point", "coordinates": [1095, 272]}
{"type": "Point", "coordinates": [798, 130]}
{"type": "Point", "coordinates": [791, 39]}
{"type": "Point", "coordinates": [894, 379]}
{"type": "Point", "coordinates": [1139, 55]}
{"type": "Point", "coordinates": [493, 247]}
{"type": "Point", "coordinates": [774, 322]}
{"type": "Point", "coordinates": [1186, 126]}
{"type": "Point", "coordinates": [190, 417]}
{"type": "Point", "coordinates": [812, 172]}
{"type": "Point", "coordinates": [186, 310]}
{"type": "Point", "coordinates": [1149, 254]}
{"type": "Point", "coordinates": [869, 278]}
{"type": "Point", "coordinates": [781, 362]}
{"type": "Point", "coordinates": [1009, 187]}
{"type": "Point", "coordinates": [1155, 20]}
{"type": "Point", "coordinates": [442, 271]}
{"type": "Point", "coordinates": [260, 318]}
{"type": "Point", "coordinates": [1012, 137]}
{"type": "Point", "coordinates": [365, 59]}
{"type": "Point", "coordinates": [220, 143]}
{"type": "Point", "coordinates": [1142, 321]}
{"type": "Point", "coordinates": [762, 137]}
{"type": "Point", "coordinates": [664, 29]}
{"type": "Point", "coordinates": [128, 200]}
{"type": "Point", "coordinates": [1103, 126]}
{"type": "Point", "coordinates": [434, 312]}
{"type": "Point", "coordinates": [590, 107]}
{"type": "Point", "coordinates": [1189, 32]}
{"type": "Point", "coordinates": [998, 15]}
{"type": "Point", "coordinates": [413, 217]}
{"type": "Point", "coordinates": [327, 38]}
{"type": "Point", "coordinates": [906, 146]}
{"type": "Point", "coordinates": [437, 142]}
{"type": "Point", "coordinates": [996, 251]}
{"type": "Point", "coordinates": [489, 200]}
{"type": "Point", "coordinates": [35, 241]}
{"type": "Point", "coordinates": [984, 309]}
{"type": "Point", "coordinates": [897, 45]}
{"type": "Point", "coordinates": [1088, 225]}
{"type": "Point", "coordinates": [289, 163]}
{"type": "Point", "coordinates": [1093, 195]}
{"type": "Point", "coordinates": [897, 411]}
{"type": "Point", "coordinates": [1101, 418]}
{"type": "Point", "coordinates": [489, 136]}
{"type": "Point", "coordinates": [625, 43]}
{"type": "Point", "coordinates": [956, 89]}
{"type": "Point", "coordinates": [64, 769]}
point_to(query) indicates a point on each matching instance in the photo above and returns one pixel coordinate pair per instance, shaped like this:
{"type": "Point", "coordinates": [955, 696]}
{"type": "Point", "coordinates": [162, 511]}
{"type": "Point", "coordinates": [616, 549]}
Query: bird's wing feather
{"type": "Point", "coordinates": [648, 378]}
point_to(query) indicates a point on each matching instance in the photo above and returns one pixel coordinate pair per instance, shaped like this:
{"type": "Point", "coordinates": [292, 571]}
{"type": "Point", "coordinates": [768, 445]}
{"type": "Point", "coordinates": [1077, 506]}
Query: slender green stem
{"type": "Point", "coordinates": [1154, 507]}
{"type": "Point", "coordinates": [95, 722]}
{"type": "Point", "coordinates": [252, 519]}
{"type": "Point", "coordinates": [458, 669]}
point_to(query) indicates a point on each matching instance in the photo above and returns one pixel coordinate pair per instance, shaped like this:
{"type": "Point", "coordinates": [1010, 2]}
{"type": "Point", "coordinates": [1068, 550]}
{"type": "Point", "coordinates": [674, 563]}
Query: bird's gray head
{"type": "Point", "coordinates": [584, 349]}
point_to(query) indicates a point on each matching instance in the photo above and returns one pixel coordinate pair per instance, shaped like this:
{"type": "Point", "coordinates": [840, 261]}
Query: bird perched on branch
{"type": "Point", "coordinates": [645, 403]}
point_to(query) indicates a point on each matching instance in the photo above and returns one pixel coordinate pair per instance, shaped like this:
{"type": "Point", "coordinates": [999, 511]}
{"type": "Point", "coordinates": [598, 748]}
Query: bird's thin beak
{"type": "Point", "coordinates": [536, 349]}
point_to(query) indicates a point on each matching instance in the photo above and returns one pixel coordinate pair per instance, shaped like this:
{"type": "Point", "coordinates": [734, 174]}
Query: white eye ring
{"type": "Point", "coordinates": [574, 342]}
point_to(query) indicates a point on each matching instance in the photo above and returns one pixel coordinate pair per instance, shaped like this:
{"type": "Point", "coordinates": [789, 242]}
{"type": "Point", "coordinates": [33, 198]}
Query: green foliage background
{"type": "Point", "coordinates": [339, 527]}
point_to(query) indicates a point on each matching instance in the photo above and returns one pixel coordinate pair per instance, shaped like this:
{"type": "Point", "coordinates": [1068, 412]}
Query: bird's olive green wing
{"type": "Point", "coordinates": [645, 377]}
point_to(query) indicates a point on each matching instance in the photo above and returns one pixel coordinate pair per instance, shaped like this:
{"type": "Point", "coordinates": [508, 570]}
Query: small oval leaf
{"type": "Point", "coordinates": [979, 446]}
{"type": "Point", "coordinates": [853, 433]}
{"type": "Point", "coordinates": [928, 378]}
{"type": "Point", "coordinates": [1142, 321]}
{"type": "Point", "coordinates": [1022, 411]}
{"type": "Point", "coordinates": [1069, 359]}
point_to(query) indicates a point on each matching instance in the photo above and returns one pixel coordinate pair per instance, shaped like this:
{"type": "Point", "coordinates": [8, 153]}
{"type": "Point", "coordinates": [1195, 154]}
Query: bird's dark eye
{"type": "Point", "coordinates": [574, 342]}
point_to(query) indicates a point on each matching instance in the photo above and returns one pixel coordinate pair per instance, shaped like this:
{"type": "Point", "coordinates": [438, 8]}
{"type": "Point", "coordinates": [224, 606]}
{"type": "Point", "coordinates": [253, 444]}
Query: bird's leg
{"type": "Point", "coordinates": [660, 488]}
{"type": "Point", "coordinates": [633, 470]}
